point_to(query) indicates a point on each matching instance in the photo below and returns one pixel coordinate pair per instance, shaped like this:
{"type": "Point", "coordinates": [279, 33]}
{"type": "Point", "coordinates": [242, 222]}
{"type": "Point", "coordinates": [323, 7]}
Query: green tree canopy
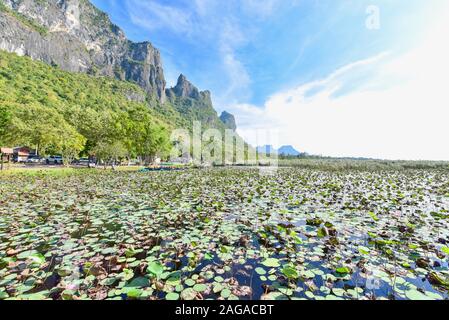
{"type": "Point", "coordinates": [5, 122]}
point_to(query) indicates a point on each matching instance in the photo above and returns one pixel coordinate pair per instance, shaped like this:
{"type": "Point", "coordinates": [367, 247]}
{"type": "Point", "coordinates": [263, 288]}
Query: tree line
{"type": "Point", "coordinates": [73, 115]}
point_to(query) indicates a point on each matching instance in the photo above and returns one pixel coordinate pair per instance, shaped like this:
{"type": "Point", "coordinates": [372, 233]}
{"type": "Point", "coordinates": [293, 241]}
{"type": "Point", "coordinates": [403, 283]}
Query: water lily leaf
{"type": "Point", "coordinates": [272, 277]}
{"type": "Point", "coordinates": [332, 297]}
{"type": "Point", "coordinates": [190, 282]}
{"type": "Point", "coordinates": [108, 281]}
{"type": "Point", "coordinates": [108, 251]}
{"type": "Point", "coordinates": [37, 258]}
{"type": "Point", "coordinates": [364, 250]}
{"type": "Point", "coordinates": [225, 293]}
{"type": "Point", "coordinates": [272, 296]}
{"type": "Point", "coordinates": [208, 256]}
{"type": "Point", "coordinates": [200, 287]}
{"type": "Point", "coordinates": [338, 292]}
{"type": "Point", "coordinates": [3, 295]}
{"type": "Point", "coordinates": [172, 296]}
{"type": "Point", "coordinates": [127, 274]}
{"type": "Point", "coordinates": [310, 295]}
{"type": "Point", "coordinates": [417, 295]}
{"type": "Point", "coordinates": [140, 282]}
{"type": "Point", "coordinates": [271, 263]}
{"type": "Point", "coordinates": [188, 294]}
{"type": "Point", "coordinates": [217, 287]}
{"type": "Point", "coordinates": [156, 268]}
{"type": "Point", "coordinates": [322, 233]}
{"type": "Point", "coordinates": [35, 296]}
{"type": "Point", "coordinates": [260, 271]}
{"type": "Point", "coordinates": [290, 272]}
{"type": "Point", "coordinates": [343, 270]}
{"type": "Point", "coordinates": [26, 254]}
{"type": "Point", "coordinates": [134, 293]}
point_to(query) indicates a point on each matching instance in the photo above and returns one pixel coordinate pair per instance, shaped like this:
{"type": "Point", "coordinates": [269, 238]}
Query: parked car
{"type": "Point", "coordinates": [34, 159]}
{"type": "Point", "coordinates": [85, 162]}
{"type": "Point", "coordinates": [54, 160]}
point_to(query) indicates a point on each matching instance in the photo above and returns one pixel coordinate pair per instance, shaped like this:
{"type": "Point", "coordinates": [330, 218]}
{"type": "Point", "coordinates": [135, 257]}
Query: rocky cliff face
{"type": "Point", "coordinates": [185, 89]}
{"type": "Point", "coordinates": [229, 120]}
{"type": "Point", "coordinates": [193, 104]}
{"type": "Point", "coordinates": [78, 37]}
{"type": "Point", "coordinates": [197, 105]}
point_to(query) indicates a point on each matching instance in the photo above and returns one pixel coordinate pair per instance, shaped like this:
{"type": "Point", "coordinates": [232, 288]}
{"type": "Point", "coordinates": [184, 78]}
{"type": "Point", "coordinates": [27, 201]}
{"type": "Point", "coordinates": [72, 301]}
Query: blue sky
{"type": "Point", "coordinates": [248, 52]}
{"type": "Point", "coordinates": [245, 50]}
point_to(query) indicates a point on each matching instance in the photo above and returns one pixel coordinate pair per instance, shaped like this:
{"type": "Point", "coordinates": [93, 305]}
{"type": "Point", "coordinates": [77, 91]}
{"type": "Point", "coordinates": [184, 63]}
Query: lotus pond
{"type": "Point", "coordinates": [225, 234]}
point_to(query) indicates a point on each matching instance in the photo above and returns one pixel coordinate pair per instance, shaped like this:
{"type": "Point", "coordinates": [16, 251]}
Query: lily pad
{"type": "Point", "coordinates": [271, 263]}
{"type": "Point", "coordinates": [156, 268]}
{"type": "Point", "coordinates": [200, 287]}
{"type": "Point", "coordinates": [188, 294]}
{"type": "Point", "coordinates": [172, 296]}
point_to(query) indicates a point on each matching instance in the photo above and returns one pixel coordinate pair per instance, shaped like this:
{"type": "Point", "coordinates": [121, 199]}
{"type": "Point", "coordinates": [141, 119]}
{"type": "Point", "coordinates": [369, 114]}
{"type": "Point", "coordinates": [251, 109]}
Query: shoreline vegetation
{"type": "Point", "coordinates": [364, 164]}
{"type": "Point", "coordinates": [325, 164]}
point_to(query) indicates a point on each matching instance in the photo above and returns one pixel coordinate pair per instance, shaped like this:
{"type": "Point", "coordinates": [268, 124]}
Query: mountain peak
{"type": "Point", "coordinates": [282, 151]}
{"type": "Point", "coordinates": [288, 151]}
{"type": "Point", "coordinates": [185, 89]}
{"type": "Point", "coordinates": [182, 78]}
{"type": "Point", "coordinates": [229, 120]}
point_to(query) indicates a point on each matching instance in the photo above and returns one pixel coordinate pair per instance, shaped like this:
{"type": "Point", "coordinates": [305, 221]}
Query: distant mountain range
{"type": "Point", "coordinates": [284, 150]}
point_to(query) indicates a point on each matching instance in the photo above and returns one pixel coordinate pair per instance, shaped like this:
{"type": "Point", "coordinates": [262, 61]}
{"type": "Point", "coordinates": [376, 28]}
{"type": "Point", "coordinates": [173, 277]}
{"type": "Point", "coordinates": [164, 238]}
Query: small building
{"type": "Point", "coordinates": [6, 155]}
{"type": "Point", "coordinates": [21, 154]}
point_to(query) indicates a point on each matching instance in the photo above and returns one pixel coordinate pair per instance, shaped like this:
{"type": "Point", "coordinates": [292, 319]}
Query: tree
{"type": "Point", "coordinates": [5, 122]}
{"type": "Point", "coordinates": [46, 129]}
{"type": "Point", "coordinates": [37, 126]}
{"type": "Point", "coordinates": [110, 153]}
{"type": "Point", "coordinates": [5, 118]}
{"type": "Point", "coordinates": [55, 111]}
{"type": "Point", "coordinates": [95, 126]}
{"type": "Point", "coordinates": [152, 141]}
{"type": "Point", "coordinates": [70, 145]}
{"type": "Point", "coordinates": [145, 137]}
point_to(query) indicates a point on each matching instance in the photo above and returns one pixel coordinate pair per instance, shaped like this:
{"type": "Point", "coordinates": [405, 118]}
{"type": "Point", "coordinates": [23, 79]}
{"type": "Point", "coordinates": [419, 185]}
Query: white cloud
{"type": "Point", "coordinates": [406, 120]}
{"type": "Point", "coordinates": [206, 23]}
{"type": "Point", "coordinates": [262, 9]}
{"type": "Point", "coordinates": [154, 16]}
{"type": "Point", "coordinates": [238, 79]}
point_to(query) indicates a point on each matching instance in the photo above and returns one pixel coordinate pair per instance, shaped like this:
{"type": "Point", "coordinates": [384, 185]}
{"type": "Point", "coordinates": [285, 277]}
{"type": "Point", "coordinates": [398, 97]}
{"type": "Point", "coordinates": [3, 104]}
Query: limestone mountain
{"type": "Point", "coordinates": [288, 151]}
{"type": "Point", "coordinates": [282, 151]}
{"type": "Point", "coordinates": [183, 89]}
{"type": "Point", "coordinates": [229, 120]}
{"type": "Point", "coordinates": [193, 104]}
{"type": "Point", "coordinates": [75, 36]}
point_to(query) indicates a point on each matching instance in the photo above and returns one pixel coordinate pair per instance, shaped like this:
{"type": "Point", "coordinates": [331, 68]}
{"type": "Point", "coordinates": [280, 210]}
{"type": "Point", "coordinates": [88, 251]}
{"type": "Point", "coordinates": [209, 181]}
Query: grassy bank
{"type": "Point", "coordinates": [365, 165]}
